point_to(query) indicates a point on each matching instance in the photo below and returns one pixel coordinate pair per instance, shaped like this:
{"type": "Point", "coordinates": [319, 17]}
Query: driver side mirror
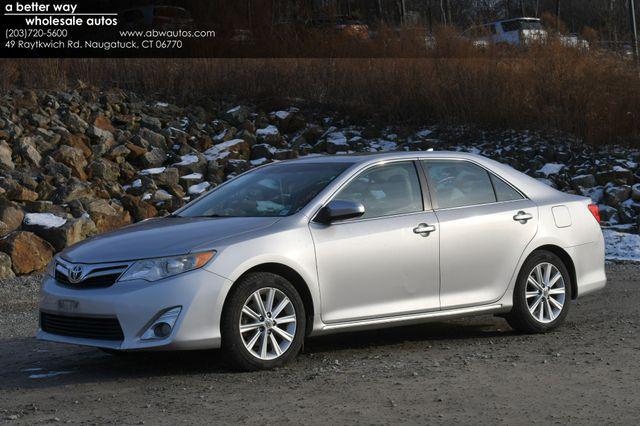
{"type": "Point", "coordinates": [339, 210]}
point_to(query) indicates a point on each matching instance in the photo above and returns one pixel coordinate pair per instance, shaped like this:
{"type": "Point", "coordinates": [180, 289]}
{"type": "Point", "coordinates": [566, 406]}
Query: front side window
{"type": "Point", "coordinates": [459, 183]}
{"type": "Point", "coordinates": [276, 190]}
{"type": "Point", "coordinates": [385, 190]}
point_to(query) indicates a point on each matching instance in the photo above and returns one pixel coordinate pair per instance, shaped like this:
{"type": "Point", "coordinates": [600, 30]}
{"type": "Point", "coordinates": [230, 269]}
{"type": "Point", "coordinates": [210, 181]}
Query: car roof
{"type": "Point", "coordinates": [367, 157]}
{"type": "Point", "coordinates": [531, 187]}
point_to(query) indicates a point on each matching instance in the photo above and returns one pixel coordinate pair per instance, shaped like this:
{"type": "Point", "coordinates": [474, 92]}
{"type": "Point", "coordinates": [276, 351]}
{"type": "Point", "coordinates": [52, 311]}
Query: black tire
{"type": "Point", "coordinates": [520, 318]}
{"type": "Point", "coordinates": [232, 341]}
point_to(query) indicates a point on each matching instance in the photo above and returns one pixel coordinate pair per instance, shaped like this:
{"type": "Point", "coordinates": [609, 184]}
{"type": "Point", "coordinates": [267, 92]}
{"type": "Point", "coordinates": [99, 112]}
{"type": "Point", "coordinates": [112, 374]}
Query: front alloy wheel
{"type": "Point", "coordinates": [267, 323]}
{"type": "Point", "coordinates": [263, 322]}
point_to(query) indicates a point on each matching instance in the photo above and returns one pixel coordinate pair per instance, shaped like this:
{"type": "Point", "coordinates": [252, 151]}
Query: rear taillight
{"type": "Point", "coordinates": [595, 211]}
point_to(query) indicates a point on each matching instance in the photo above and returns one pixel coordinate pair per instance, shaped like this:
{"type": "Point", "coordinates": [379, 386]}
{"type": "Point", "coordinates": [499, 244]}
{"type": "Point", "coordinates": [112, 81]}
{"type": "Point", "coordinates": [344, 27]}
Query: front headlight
{"type": "Point", "coordinates": [157, 269]}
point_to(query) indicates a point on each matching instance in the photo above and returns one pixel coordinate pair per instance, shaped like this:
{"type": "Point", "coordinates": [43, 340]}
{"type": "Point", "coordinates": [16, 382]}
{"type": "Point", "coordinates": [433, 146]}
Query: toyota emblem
{"type": "Point", "coordinates": [75, 274]}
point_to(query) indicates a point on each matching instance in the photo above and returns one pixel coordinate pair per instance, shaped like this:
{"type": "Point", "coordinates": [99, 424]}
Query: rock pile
{"type": "Point", "coordinates": [77, 163]}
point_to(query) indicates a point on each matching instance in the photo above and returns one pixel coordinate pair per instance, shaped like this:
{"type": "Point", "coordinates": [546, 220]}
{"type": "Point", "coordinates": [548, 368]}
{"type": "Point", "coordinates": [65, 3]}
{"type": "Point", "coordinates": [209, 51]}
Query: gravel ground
{"type": "Point", "coordinates": [464, 371]}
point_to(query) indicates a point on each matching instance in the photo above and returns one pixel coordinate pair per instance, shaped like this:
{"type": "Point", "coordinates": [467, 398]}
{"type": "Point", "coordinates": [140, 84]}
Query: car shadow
{"type": "Point", "coordinates": [29, 364]}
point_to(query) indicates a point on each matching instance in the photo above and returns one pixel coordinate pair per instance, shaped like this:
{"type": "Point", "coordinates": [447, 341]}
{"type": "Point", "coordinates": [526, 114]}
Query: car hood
{"type": "Point", "coordinates": [171, 236]}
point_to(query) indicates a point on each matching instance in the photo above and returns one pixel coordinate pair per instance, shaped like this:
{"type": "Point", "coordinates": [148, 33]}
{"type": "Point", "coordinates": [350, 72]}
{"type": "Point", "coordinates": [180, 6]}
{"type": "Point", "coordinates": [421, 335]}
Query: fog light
{"type": "Point", "coordinates": [162, 327]}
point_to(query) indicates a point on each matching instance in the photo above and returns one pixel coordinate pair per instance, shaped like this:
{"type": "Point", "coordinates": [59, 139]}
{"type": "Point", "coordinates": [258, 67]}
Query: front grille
{"type": "Point", "coordinates": [92, 276]}
{"type": "Point", "coordinates": [90, 282]}
{"type": "Point", "coordinates": [85, 327]}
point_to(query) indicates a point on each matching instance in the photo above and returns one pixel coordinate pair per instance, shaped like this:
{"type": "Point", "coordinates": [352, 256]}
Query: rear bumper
{"type": "Point", "coordinates": [588, 260]}
{"type": "Point", "coordinates": [135, 304]}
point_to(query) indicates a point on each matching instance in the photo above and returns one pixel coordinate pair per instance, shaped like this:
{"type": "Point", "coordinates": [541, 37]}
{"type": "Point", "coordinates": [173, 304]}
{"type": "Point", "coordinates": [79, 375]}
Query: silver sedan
{"type": "Point", "coordinates": [328, 244]}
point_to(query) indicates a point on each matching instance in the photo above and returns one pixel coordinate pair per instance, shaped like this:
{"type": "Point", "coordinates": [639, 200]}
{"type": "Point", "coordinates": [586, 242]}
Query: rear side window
{"type": "Point", "coordinates": [504, 192]}
{"type": "Point", "coordinates": [386, 190]}
{"type": "Point", "coordinates": [459, 183]}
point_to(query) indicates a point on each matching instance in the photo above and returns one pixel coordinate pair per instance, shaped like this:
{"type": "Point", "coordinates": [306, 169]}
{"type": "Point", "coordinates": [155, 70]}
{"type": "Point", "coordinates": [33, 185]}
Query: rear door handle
{"type": "Point", "coordinates": [523, 216]}
{"type": "Point", "coordinates": [424, 229]}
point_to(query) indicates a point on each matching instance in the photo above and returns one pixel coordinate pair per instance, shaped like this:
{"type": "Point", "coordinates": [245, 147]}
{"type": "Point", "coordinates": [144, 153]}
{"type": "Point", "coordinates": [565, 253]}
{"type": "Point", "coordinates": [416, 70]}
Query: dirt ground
{"type": "Point", "coordinates": [464, 371]}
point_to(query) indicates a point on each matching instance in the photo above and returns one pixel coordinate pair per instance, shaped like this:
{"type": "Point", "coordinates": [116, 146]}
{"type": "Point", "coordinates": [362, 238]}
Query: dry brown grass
{"type": "Point", "coordinates": [594, 96]}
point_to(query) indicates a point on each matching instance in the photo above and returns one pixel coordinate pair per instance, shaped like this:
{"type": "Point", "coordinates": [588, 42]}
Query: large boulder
{"type": "Point", "coordinates": [5, 156]}
{"type": "Point", "coordinates": [154, 139]}
{"type": "Point", "coordinates": [615, 195]}
{"type": "Point", "coordinates": [105, 169]}
{"type": "Point", "coordinates": [11, 214]}
{"type": "Point", "coordinates": [139, 209]}
{"type": "Point", "coordinates": [74, 159]}
{"type": "Point", "coordinates": [107, 216]}
{"type": "Point", "coordinates": [635, 192]}
{"type": "Point", "coordinates": [237, 115]}
{"type": "Point", "coordinates": [27, 251]}
{"type": "Point", "coordinates": [5, 266]}
{"type": "Point", "coordinates": [60, 232]}
{"type": "Point", "coordinates": [583, 181]}
{"type": "Point", "coordinates": [153, 158]}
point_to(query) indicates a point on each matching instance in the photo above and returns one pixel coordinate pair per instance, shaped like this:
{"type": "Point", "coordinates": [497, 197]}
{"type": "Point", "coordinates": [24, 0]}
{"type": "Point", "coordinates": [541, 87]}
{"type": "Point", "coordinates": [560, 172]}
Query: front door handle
{"type": "Point", "coordinates": [523, 217]}
{"type": "Point", "coordinates": [424, 229]}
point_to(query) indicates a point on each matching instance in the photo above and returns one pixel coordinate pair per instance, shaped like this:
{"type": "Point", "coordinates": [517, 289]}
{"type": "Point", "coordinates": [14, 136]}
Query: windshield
{"type": "Point", "coordinates": [277, 190]}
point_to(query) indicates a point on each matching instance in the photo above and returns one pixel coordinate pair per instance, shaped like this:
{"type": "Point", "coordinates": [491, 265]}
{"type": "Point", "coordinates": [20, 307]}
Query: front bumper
{"type": "Point", "coordinates": [136, 304]}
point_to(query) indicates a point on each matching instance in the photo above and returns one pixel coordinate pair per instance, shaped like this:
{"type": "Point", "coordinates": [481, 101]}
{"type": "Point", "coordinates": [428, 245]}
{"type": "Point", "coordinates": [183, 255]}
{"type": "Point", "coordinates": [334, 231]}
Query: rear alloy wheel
{"type": "Point", "coordinates": [541, 295]}
{"type": "Point", "coordinates": [263, 322]}
{"type": "Point", "coordinates": [545, 292]}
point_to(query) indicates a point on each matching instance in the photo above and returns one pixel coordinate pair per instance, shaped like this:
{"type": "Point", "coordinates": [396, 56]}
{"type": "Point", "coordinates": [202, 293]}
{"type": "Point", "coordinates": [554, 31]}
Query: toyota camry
{"type": "Point", "coordinates": [326, 244]}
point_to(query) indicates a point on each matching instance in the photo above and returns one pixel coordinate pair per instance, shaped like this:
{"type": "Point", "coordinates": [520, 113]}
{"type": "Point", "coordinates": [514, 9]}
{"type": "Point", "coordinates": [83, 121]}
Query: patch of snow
{"type": "Point", "coordinates": [26, 370]}
{"type": "Point", "coordinates": [137, 183]}
{"type": "Point", "coordinates": [472, 150]}
{"type": "Point", "coordinates": [199, 188]}
{"type": "Point", "coordinates": [423, 133]}
{"type": "Point", "coordinates": [620, 169]}
{"type": "Point", "coordinates": [192, 176]}
{"type": "Point", "coordinates": [46, 220]}
{"type": "Point", "coordinates": [621, 246]}
{"type": "Point", "coordinates": [153, 171]}
{"type": "Point", "coordinates": [337, 138]}
{"type": "Point", "coordinates": [270, 130]}
{"type": "Point", "coordinates": [49, 374]}
{"type": "Point", "coordinates": [551, 169]}
{"type": "Point", "coordinates": [220, 136]}
{"type": "Point", "coordinates": [258, 161]}
{"type": "Point", "coordinates": [162, 195]}
{"type": "Point", "coordinates": [282, 115]}
{"type": "Point", "coordinates": [175, 129]}
{"type": "Point", "coordinates": [216, 151]}
{"type": "Point", "coordinates": [187, 159]}
{"type": "Point", "coordinates": [162, 104]}
{"type": "Point", "coordinates": [146, 196]}
{"type": "Point", "coordinates": [383, 145]}
{"type": "Point", "coordinates": [234, 109]}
